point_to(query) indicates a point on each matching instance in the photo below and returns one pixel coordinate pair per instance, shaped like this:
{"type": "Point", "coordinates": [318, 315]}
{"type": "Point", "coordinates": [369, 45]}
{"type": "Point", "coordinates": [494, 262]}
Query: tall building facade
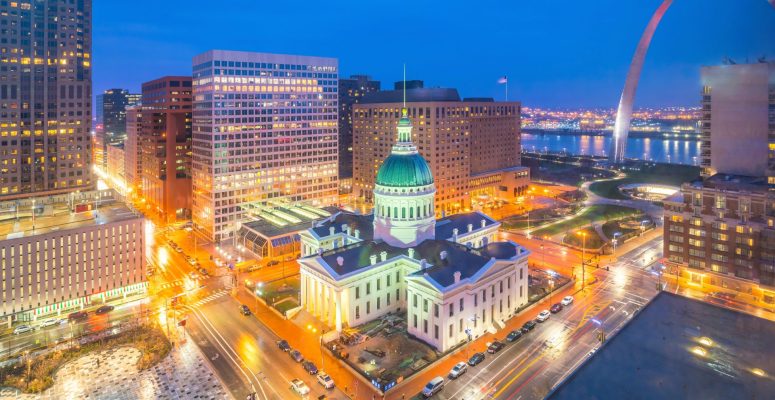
{"type": "Point", "coordinates": [132, 154]}
{"type": "Point", "coordinates": [114, 103]}
{"type": "Point", "coordinates": [472, 146]}
{"type": "Point", "coordinates": [264, 131]}
{"type": "Point", "coordinates": [45, 97]}
{"type": "Point", "coordinates": [738, 119]}
{"type": "Point", "coordinates": [165, 146]}
{"type": "Point", "coordinates": [351, 91]}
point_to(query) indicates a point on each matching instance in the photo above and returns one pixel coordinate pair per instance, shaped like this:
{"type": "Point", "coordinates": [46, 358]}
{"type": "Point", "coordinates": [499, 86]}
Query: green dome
{"type": "Point", "coordinates": [404, 170]}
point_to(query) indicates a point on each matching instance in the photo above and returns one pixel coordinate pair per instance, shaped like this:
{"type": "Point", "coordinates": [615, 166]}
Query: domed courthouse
{"type": "Point", "coordinates": [450, 276]}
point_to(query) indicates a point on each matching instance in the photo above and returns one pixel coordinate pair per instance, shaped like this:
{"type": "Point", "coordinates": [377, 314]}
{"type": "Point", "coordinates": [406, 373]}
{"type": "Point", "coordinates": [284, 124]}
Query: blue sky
{"type": "Point", "coordinates": [556, 53]}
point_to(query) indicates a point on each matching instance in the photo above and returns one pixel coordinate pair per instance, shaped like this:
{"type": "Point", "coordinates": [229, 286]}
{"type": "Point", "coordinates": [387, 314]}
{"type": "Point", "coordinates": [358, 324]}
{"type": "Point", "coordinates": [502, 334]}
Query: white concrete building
{"type": "Point", "coordinates": [62, 260]}
{"type": "Point", "coordinates": [450, 275]}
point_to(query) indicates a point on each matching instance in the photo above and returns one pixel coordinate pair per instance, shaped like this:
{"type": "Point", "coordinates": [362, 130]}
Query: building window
{"type": "Point", "coordinates": [484, 315]}
{"type": "Point", "coordinates": [357, 293]}
{"type": "Point", "coordinates": [520, 273]}
{"type": "Point", "coordinates": [436, 310]}
{"type": "Point", "coordinates": [484, 296]}
{"type": "Point", "coordinates": [379, 301]}
{"type": "Point", "coordinates": [476, 300]}
{"type": "Point", "coordinates": [425, 326]}
{"type": "Point", "coordinates": [398, 294]}
{"type": "Point", "coordinates": [388, 280]}
{"type": "Point", "coordinates": [460, 328]}
{"type": "Point", "coordinates": [398, 276]}
{"type": "Point", "coordinates": [436, 332]}
{"type": "Point", "coordinates": [357, 312]}
{"type": "Point", "coordinates": [461, 304]}
{"type": "Point", "coordinates": [492, 291]}
{"type": "Point", "coordinates": [378, 282]}
{"type": "Point", "coordinates": [450, 330]}
{"type": "Point", "coordinates": [508, 283]}
{"type": "Point", "coordinates": [368, 307]}
{"type": "Point", "coordinates": [520, 292]}
{"type": "Point", "coordinates": [414, 301]}
{"type": "Point", "coordinates": [415, 321]}
{"type": "Point", "coordinates": [451, 309]}
{"type": "Point", "coordinates": [388, 299]}
{"type": "Point", "coordinates": [368, 288]}
{"type": "Point", "coordinates": [500, 288]}
{"type": "Point", "coordinates": [425, 305]}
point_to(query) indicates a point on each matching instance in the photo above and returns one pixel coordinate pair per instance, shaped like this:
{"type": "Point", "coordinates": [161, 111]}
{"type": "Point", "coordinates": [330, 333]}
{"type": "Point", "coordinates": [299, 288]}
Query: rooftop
{"type": "Point", "coordinates": [363, 223]}
{"type": "Point", "coordinates": [445, 226]}
{"type": "Point", "coordinates": [659, 355]}
{"type": "Point", "coordinates": [421, 95]}
{"type": "Point", "coordinates": [60, 219]}
{"type": "Point", "coordinates": [276, 221]}
{"type": "Point", "coordinates": [733, 183]}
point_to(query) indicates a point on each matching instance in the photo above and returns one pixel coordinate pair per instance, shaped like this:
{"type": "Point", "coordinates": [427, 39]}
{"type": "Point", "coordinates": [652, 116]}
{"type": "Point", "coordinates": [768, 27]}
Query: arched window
{"type": "Point", "coordinates": [395, 212]}
{"type": "Point", "coordinates": [411, 212]}
{"type": "Point", "coordinates": [403, 212]}
{"type": "Point", "coordinates": [418, 212]}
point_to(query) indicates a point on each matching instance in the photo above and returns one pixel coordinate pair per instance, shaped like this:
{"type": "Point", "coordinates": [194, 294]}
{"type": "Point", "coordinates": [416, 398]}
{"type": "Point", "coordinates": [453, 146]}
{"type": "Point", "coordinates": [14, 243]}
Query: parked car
{"type": "Point", "coordinates": [459, 369]}
{"type": "Point", "coordinates": [514, 335]}
{"type": "Point", "coordinates": [299, 387]}
{"type": "Point", "coordinates": [567, 300]}
{"type": "Point", "coordinates": [433, 387]}
{"type": "Point", "coordinates": [325, 380]}
{"type": "Point", "coordinates": [22, 329]}
{"type": "Point", "coordinates": [78, 316]}
{"type": "Point", "coordinates": [556, 307]}
{"type": "Point", "coordinates": [528, 326]}
{"type": "Point", "coordinates": [104, 309]}
{"type": "Point", "coordinates": [50, 322]}
{"type": "Point", "coordinates": [495, 347]}
{"type": "Point", "coordinates": [244, 309]}
{"type": "Point", "coordinates": [296, 355]}
{"type": "Point", "coordinates": [272, 263]}
{"type": "Point", "coordinates": [543, 316]}
{"type": "Point", "coordinates": [310, 367]}
{"type": "Point", "coordinates": [476, 359]}
{"type": "Point", "coordinates": [178, 250]}
{"type": "Point", "coordinates": [283, 345]}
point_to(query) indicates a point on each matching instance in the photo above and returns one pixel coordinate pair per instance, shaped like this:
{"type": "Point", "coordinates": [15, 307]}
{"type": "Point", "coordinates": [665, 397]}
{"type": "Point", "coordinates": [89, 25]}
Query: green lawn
{"type": "Point", "coordinates": [591, 241]}
{"type": "Point", "coordinates": [592, 214]}
{"type": "Point", "coordinates": [666, 174]}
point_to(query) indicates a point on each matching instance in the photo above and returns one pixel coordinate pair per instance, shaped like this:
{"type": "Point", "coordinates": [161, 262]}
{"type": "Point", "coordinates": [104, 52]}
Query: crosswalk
{"type": "Point", "coordinates": [167, 285]}
{"type": "Point", "coordinates": [209, 298]}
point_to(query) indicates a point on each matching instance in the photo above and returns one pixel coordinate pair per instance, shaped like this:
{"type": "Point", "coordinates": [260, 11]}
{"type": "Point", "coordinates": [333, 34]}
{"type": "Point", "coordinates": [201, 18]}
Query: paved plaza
{"type": "Point", "coordinates": [112, 374]}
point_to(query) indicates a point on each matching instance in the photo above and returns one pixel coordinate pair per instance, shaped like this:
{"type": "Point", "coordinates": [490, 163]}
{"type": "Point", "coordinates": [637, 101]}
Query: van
{"type": "Point", "coordinates": [433, 387]}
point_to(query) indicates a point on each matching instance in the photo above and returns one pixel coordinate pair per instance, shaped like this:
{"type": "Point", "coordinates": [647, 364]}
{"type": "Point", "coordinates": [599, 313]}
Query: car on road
{"type": "Point", "coordinates": [192, 261]}
{"type": "Point", "coordinates": [567, 300]}
{"type": "Point", "coordinates": [458, 370]}
{"type": "Point", "coordinates": [203, 271]}
{"type": "Point", "coordinates": [272, 263]}
{"type": "Point", "coordinates": [193, 276]}
{"type": "Point", "coordinates": [299, 387]}
{"type": "Point", "coordinates": [178, 250]}
{"type": "Point", "coordinates": [244, 309]}
{"type": "Point", "coordinates": [22, 329]}
{"type": "Point", "coordinates": [78, 316]}
{"type": "Point", "coordinates": [283, 345]}
{"type": "Point", "coordinates": [528, 326]}
{"type": "Point", "coordinates": [433, 387]}
{"type": "Point", "coordinates": [104, 309]}
{"type": "Point", "coordinates": [495, 347]}
{"type": "Point", "coordinates": [476, 359]}
{"type": "Point", "coordinates": [296, 355]}
{"type": "Point", "coordinates": [555, 308]}
{"type": "Point", "coordinates": [325, 380]}
{"type": "Point", "coordinates": [50, 322]}
{"type": "Point", "coordinates": [310, 367]}
{"type": "Point", "coordinates": [514, 335]}
{"type": "Point", "coordinates": [543, 316]}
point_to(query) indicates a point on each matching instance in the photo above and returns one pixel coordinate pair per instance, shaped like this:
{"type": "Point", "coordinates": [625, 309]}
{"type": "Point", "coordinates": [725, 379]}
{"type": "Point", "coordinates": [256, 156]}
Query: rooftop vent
{"type": "Point", "coordinates": [457, 276]}
{"type": "Point", "coordinates": [484, 223]}
{"type": "Point", "coordinates": [411, 252]}
{"type": "Point", "coordinates": [331, 230]}
{"type": "Point", "coordinates": [340, 261]}
{"type": "Point", "coordinates": [383, 255]}
{"type": "Point", "coordinates": [443, 255]}
{"type": "Point", "coordinates": [373, 259]}
{"type": "Point", "coordinates": [357, 234]}
{"type": "Point", "coordinates": [470, 227]}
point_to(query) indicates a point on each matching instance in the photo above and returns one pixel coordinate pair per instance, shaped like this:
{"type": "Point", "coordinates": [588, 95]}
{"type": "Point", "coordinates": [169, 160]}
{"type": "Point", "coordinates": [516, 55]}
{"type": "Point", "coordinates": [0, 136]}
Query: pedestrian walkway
{"type": "Point", "coordinates": [209, 298]}
{"type": "Point", "coordinates": [168, 285]}
{"type": "Point", "coordinates": [112, 374]}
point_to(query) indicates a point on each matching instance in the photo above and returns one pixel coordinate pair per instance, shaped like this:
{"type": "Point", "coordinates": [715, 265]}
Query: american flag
{"type": "Point", "coordinates": [503, 79]}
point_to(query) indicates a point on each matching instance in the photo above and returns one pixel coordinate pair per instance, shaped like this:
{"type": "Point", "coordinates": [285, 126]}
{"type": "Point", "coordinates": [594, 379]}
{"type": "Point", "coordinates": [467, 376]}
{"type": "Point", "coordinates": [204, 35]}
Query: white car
{"type": "Point", "coordinates": [433, 387]}
{"type": "Point", "coordinates": [458, 370]}
{"type": "Point", "coordinates": [325, 380]}
{"type": "Point", "coordinates": [22, 329]}
{"type": "Point", "coordinates": [50, 322]}
{"type": "Point", "coordinates": [299, 387]}
{"type": "Point", "coordinates": [567, 300]}
{"type": "Point", "coordinates": [543, 316]}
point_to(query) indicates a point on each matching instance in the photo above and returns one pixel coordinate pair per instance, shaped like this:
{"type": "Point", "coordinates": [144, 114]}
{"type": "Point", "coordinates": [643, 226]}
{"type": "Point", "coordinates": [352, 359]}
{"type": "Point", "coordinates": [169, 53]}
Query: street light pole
{"type": "Point", "coordinates": [583, 258]}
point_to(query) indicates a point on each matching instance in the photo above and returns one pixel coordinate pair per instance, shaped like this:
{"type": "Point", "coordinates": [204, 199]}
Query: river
{"type": "Point", "coordinates": [677, 151]}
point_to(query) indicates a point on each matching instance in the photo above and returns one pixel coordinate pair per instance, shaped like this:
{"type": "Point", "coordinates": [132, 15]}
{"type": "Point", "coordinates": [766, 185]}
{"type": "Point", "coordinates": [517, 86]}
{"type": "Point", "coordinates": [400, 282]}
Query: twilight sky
{"type": "Point", "coordinates": [556, 53]}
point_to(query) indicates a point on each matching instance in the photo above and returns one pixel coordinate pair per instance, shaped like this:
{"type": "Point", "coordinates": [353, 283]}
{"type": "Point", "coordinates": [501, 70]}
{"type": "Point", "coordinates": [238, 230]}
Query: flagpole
{"type": "Point", "coordinates": [507, 89]}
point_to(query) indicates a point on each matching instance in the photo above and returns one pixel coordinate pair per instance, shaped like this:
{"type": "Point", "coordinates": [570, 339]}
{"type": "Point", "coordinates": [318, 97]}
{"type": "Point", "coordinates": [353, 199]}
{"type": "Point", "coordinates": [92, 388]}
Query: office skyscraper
{"type": "Point", "coordinates": [113, 109]}
{"type": "Point", "coordinates": [165, 146]}
{"type": "Point", "coordinates": [738, 110]}
{"type": "Point", "coordinates": [45, 93]}
{"type": "Point", "coordinates": [265, 131]}
{"type": "Point", "coordinates": [351, 91]}
{"type": "Point", "coordinates": [472, 145]}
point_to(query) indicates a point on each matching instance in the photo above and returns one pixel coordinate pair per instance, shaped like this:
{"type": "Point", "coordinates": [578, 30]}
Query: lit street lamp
{"type": "Point", "coordinates": [583, 257]}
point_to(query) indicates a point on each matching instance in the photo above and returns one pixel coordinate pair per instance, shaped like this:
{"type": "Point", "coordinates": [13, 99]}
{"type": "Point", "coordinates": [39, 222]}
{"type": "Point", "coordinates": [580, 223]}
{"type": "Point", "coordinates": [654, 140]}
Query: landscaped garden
{"type": "Point", "coordinates": [590, 215]}
{"type": "Point", "coordinates": [34, 373]}
{"type": "Point", "coordinates": [665, 174]}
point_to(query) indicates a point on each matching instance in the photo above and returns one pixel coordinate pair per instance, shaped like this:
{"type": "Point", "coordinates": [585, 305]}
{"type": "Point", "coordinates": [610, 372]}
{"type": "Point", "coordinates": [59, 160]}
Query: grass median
{"type": "Point", "coordinates": [590, 215]}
